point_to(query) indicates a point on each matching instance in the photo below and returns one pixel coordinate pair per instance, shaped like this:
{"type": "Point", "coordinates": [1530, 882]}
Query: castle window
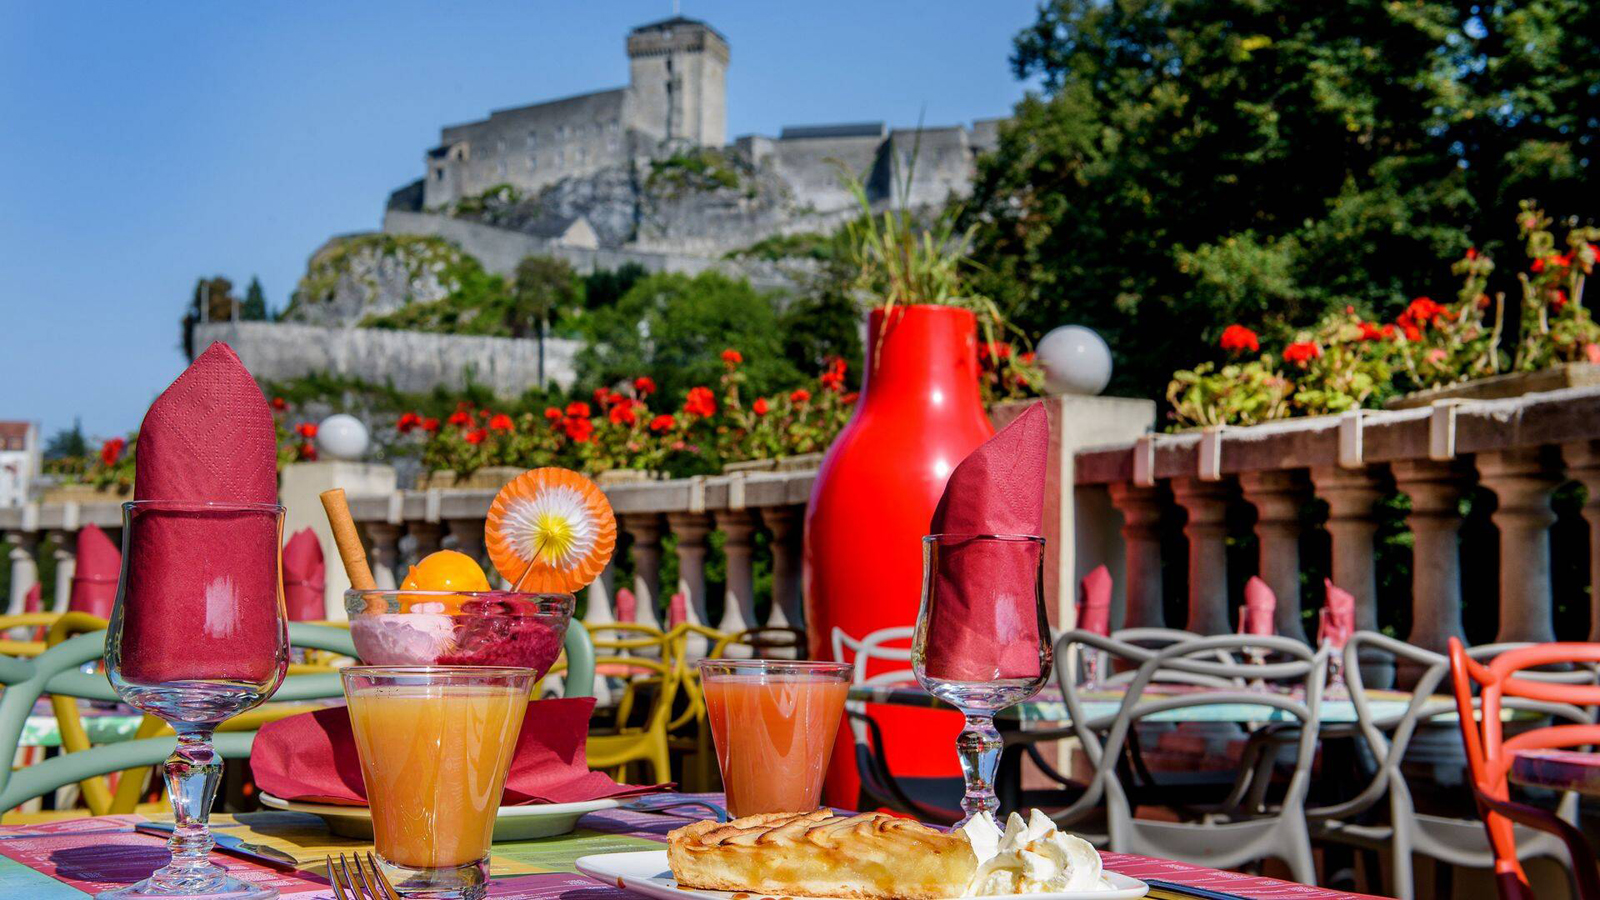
{"type": "Point", "coordinates": [533, 139]}
{"type": "Point", "coordinates": [533, 163]}
{"type": "Point", "coordinates": [438, 174]}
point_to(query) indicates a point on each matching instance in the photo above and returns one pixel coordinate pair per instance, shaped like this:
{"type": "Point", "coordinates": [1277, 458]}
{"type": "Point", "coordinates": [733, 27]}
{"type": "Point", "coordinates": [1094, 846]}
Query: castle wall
{"type": "Point", "coordinates": [811, 166]}
{"type": "Point", "coordinates": [413, 361]}
{"type": "Point", "coordinates": [943, 164]}
{"type": "Point", "coordinates": [531, 146]}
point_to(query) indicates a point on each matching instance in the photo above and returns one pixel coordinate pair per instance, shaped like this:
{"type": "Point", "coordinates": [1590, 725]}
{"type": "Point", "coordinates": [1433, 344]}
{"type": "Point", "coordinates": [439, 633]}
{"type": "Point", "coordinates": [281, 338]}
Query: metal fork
{"type": "Point", "coordinates": [361, 885]}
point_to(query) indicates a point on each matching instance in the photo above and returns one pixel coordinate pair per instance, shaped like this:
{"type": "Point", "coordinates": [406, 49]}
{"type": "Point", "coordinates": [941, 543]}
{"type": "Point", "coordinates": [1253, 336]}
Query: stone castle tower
{"type": "Point", "coordinates": [676, 94]}
{"type": "Point", "coordinates": [679, 81]}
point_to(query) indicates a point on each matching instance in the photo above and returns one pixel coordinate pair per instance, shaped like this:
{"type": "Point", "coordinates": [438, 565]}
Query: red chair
{"type": "Point", "coordinates": [1489, 754]}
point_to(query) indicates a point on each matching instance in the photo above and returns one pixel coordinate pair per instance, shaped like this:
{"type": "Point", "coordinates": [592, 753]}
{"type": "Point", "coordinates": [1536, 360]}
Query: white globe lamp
{"type": "Point", "coordinates": [342, 436]}
{"type": "Point", "coordinates": [1076, 360]}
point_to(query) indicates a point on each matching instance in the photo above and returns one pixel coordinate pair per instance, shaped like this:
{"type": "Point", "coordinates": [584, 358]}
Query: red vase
{"type": "Point", "coordinates": [919, 415]}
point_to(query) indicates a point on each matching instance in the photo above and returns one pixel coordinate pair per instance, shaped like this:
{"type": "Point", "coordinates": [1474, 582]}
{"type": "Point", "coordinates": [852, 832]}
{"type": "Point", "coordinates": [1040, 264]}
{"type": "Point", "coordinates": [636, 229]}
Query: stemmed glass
{"type": "Point", "coordinates": [982, 641]}
{"type": "Point", "coordinates": [197, 636]}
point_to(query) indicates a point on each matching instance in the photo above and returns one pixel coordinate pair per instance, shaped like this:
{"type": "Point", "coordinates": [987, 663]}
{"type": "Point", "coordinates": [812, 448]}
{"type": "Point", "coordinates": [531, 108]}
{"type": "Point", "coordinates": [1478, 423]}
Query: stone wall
{"type": "Point", "coordinates": [412, 361]}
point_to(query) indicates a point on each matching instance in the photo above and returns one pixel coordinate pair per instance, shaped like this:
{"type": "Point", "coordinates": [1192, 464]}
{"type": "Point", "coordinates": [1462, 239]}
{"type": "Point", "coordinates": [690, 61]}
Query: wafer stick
{"type": "Point", "coordinates": [349, 542]}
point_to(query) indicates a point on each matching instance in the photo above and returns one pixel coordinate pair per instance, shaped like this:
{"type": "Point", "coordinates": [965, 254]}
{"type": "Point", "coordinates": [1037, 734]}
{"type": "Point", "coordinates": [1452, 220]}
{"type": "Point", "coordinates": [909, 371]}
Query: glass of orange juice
{"type": "Point", "coordinates": [773, 722]}
{"type": "Point", "coordinates": [435, 744]}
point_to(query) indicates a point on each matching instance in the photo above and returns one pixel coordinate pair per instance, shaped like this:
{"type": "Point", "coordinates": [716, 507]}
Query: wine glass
{"type": "Point", "coordinates": [982, 641]}
{"type": "Point", "coordinates": [197, 636]}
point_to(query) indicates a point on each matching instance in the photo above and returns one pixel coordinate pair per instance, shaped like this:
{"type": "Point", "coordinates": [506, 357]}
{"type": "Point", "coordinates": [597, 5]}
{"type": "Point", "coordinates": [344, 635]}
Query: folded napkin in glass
{"type": "Point", "coordinates": [312, 758]}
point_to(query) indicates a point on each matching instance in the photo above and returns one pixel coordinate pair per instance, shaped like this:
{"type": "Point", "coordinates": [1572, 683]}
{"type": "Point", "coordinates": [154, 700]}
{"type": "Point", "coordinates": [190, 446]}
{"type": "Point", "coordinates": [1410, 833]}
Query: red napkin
{"type": "Point", "coordinates": [1338, 616]}
{"type": "Point", "coordinates": [1255, 617]}
{"type": "Point", "coordinates": [1094, 602]}
{"type": "Point", "coordinates": [312, 758]}
{"type": "Point", "coordinates": [202, 595]}
{"type": "Point", "coordinates": [677, 610]}
{"type": "Point", "coordinates": [94, 581]}
{"type": "Point", "coordinates": [986, 620]}
{"type": "Point", "coordinates": [627, 605]}
{"type": "Point", "coordinates": [304, 577]}
{"type": "Point", "coordinates": [33, 600]}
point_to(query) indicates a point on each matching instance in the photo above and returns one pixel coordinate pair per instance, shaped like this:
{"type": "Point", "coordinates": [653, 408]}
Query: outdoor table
{"type": "Point", "coordinates": [1558, 770]}
{"type": "Point", "coordinates": [74, 858]}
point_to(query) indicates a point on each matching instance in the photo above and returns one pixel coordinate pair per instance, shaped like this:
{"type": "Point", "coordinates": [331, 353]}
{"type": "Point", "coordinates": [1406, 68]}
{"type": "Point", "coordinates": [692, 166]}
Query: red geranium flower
{"type": "Point", "coordinates": [577, 410]}
{"type": "Point", "coordinates": [1238, 339]}
{"type": "Point", "coordinates": [460, 417]}
{"type": "Point", "coordinates": [1472, 253]}
{"type": "Point", "coordinates": [1301, 353]}
{"type": "Point", "coordinates": [700, 402]}
{"type": "Point", "coordinates": [501, 422]}
{"type": "Point", "coordinates": [407, 422]}
{"type": "Point", "coordinates": [662, 423]}
{"type": "Point", "coordinates": [833, 379]}
{"type": "Point", "coordinates": [307, 452]}
{"type": "Point", "coordinates": [280, 404]}
{"type": "Point", "coordinates": [111, 451]}
{"type": "Point", "coordinates": [1423, 311]}
{"type": "Point", "coordinates": [644, 386]}
{"type": "Point", "coordinates": [800, 395]}
{"type": "Point", "coordinates": [306, 429]}
{"type": "Point", "coordinates": [430, 425]}
{"type": "Point", "coordinates": [580, 430]}
{"type": "Point", "coordinates": [732, 358]}
{"type": "Point", "coordinates": [551, 413]}
{"type": "Point", "coordinates": [600, 395]}
{"type": "Point", "coordinates": [850, 398]}
{"type": "Point", "coordinates": [476, 435]}
{"type": "Point", "coordinates": [1370, 332]}
{"type": "Point", "coordinates": [760, 406]}
{"type": "Point", "coordinates": [622, 413]}
{"type": "Point", "coordinates": [1558, 299]}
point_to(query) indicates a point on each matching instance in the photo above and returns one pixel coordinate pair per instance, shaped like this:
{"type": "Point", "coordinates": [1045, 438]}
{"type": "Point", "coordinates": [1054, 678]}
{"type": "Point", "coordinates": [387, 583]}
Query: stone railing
{"type": "Point", "coordinates": [1521, 450]}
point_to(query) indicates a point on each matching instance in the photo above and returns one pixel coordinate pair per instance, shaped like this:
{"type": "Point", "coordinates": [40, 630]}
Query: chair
{"type": "Point", "coordinates": [1404, 831]}
{"type": "Point", "coordinates": [58, 672]}
{"type": "Point", "coordinates": [34, 623]}
{"type": "Point", "coordinates": [1489, 753]}
{"type": "Point", "coordinates": [1244, 826]}
{"type": "Point", "coordinates": [663, 670]}
{"type": "Point", "coordinates": [930, 799]}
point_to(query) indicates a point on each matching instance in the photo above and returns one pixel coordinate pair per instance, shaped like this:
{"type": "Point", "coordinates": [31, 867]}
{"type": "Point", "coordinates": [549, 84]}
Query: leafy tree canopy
{"type": "Point", "coordinates": [1193, 163]}
{"type": "Point", "coordinates": [254, 308]}
{"type": "Point", "coordinates": [674, 328]}
{"type": "Point", "coordinates": [67, 443]}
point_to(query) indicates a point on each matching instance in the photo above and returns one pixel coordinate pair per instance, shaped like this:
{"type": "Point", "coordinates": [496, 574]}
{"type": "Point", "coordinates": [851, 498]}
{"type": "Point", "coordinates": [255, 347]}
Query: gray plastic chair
{"type": "Point", "coordinates": [59, 671]}
{"type": "Point", "coordinates": [1457, 841]}
{"type": "Point", "coordinates": [1244, 827]}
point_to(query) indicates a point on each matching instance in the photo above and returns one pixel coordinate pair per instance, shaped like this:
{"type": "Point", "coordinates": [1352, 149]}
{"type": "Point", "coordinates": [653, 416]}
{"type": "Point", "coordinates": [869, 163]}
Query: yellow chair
{"type": "Point", "coordinates": [25, 649]}
{"type": "Point", "coordinates": [664, 670]}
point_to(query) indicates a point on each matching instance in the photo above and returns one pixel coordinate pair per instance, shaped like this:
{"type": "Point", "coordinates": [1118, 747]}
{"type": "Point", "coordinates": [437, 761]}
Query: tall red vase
{"type": "Point", "coordinates": [919, 415]}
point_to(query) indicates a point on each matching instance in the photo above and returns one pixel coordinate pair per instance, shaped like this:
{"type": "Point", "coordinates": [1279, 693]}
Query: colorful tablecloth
{"type": "Point", "coordinates": [72, 859]}
{"type": "Point", "coordinates": [1561, 770]}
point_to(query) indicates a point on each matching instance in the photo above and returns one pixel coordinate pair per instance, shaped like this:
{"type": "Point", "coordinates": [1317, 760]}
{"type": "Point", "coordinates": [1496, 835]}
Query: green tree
{"type": "Point", "coordinates": [68, 442]}
{"type": "Point", "coordinates": [604, 287]}
{"type": "Point", "coordinates": [212, 301]}
{"type": "Point", "coordinates": [542, 287]}
{"type": "Point", "coordinates": [254, 308]}
{"type": "Point", "coordinates": [674, 328]}
{"type": "Point", "coordinates": [1191, 163]}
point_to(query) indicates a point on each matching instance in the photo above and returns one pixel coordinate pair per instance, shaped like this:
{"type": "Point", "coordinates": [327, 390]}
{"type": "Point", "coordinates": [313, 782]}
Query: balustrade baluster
{"type": "Point", "coordinates": [1351, 495]}
{"type": "Point", "coordinates": [691, 529]}
{"type": "Point", "coordinates": [1207, 531]}
{"type": "Point", "coordinates": [425, 538]}
{"type": "Point", "coordinates": [645, 530]}
{"type": "Point", "coordinates": [1435, 489]}
{"type": "Point", "coordinates": [66, 554]}
{"type": "Point", "coordinates": [739, 611]}
{"type": "Point", "coordinates": [469, 537]}
{"type": "Point", "coordinates": [384, 539]}
{"type": "Point", "coordinates": [784, 523]}
{"type": "Point", "coordinates": [1141, 532]}
{"type": "Point", "coordinates": [24, 569]}
{"type": "Point", "coordinates": [1583, 463]}
{"type": "Point", "coordinates": [1523, 480]}
{"type": "Point", "coordinates": [1277, 496]}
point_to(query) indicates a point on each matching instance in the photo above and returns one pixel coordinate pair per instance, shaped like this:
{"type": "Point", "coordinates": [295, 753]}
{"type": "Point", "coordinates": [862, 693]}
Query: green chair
{"type": "Point", "coordinates": [57, 672]}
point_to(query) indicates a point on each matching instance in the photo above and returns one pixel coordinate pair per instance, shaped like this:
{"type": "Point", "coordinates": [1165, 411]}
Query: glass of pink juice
{"type": "Point", "coordinates": [773, 721]}
{"type": "Point", "coordinates": [435, 744]}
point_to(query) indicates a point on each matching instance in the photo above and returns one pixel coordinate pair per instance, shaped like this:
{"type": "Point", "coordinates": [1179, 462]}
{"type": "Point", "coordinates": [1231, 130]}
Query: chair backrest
{"type": "Point", "coordinates": [764, 642]}
{"type": "Point", "coordinates": [643, 654]}
{"type": "Point", "coordinates": [861, 653]}
{"type": "Point", "coordinates": [34, 625]}
{"type": "Point", "coordinates": [1199, 678]}
{"type": "Point", "coordinates": [1489, 752]}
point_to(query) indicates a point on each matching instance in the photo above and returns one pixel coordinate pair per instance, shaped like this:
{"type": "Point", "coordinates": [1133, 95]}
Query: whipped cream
{"type": "Point", "coordinates": [1030, 857]}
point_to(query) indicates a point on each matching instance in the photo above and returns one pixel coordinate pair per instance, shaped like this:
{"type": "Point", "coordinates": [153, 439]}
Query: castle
{"type": "Point", "coordinates": [676, 98]}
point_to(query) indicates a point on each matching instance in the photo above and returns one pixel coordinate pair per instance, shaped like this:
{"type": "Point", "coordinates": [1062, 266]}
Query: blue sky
{"type": "Point", "coordinates": [146, 144]}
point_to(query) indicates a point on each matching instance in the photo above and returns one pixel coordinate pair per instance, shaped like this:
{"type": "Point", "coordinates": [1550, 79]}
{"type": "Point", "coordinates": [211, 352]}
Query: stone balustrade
{"type": "Point", "coordinates": [1129, 504]}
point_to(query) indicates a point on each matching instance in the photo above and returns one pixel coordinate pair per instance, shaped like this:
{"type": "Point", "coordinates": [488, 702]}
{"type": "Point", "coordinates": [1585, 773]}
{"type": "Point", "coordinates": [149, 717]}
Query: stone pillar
{"type": "Point", "coordinates": [739, 610]}
{"type": "Point", "coordinates": [1141, 533]}
{"type": "Point", "coordinates": [66, 554]}
{"type": "Point", "coordinates": [384, 539]}
{"type": "Point", "coordinates": [784, 522]}
{"type": "Point", "coordinates": [24, 570]}
{"type": "Point", "coordinates": [1207, 530]}
{"type": "Point", "coordinates": [1583, 464]}
{"type": "Point", "coordinates": [645, 530]}
{"type": "Point", "coordinates": [691, 529]}
{"type": "Point", "coordinates": [1351, 495]}
{"type": "Point", "coordinates": [469, 537]}
{"type": "Point", "coordinates": [1523, 480]}
{"type": "Point", "coordinates": [1435, 489]}
{"type": "Point", "coordinates": [601, 607]}
{"type": "Point", "coordinates": [425, 535]}
{"type": "Point", "coordinates": [1277, 495]}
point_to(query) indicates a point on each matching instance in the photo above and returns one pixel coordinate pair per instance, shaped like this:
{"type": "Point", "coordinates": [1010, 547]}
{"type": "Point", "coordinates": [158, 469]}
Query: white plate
{"type": "Point", "coordinates": [512, 823]}
{"type": "Point", "coordinates": [646, 872]}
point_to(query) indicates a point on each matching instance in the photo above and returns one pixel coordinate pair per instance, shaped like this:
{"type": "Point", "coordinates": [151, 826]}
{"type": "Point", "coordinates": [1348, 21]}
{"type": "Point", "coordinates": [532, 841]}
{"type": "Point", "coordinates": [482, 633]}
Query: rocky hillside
{"type": "Point", "coordinates": [355, 277]}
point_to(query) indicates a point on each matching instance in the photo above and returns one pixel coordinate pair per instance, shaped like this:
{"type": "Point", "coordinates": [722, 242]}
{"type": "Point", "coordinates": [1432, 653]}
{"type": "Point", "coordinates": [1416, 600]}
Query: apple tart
{"type": "Point", "coordinates": [819, 854]}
